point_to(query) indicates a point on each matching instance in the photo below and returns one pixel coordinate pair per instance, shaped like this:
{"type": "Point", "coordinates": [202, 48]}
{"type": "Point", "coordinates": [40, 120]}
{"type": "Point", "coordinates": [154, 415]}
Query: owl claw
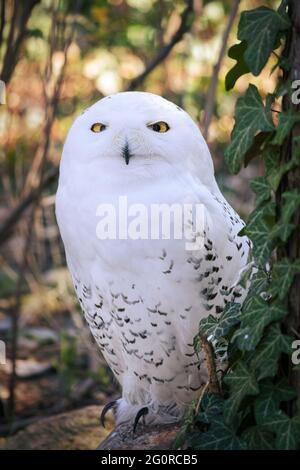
{"type": "Point", "coordinates": [105, 409]}
{"type": "Point", "coordinates": [142, 412]}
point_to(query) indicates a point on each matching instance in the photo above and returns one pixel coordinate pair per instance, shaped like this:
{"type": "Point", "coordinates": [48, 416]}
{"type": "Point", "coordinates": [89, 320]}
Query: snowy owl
{"type": "Point", "coordinates": [143, 297]}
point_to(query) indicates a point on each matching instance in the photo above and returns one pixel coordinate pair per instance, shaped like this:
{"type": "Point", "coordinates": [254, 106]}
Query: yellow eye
{"type": "Point", "coordinates": [159, 126]}
{"type": "Point", "coordinates": [98, 127]}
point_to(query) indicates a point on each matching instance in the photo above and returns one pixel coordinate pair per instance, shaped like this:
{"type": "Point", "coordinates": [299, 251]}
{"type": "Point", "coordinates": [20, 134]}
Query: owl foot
{"type": "Point", "coordinates": [142, 412]}
{"type": "Point", "coordinates": [105, 409]}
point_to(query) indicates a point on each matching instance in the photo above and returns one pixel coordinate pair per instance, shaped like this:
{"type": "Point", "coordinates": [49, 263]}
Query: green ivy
{"type": "Point", "coordinates": [252, 410]}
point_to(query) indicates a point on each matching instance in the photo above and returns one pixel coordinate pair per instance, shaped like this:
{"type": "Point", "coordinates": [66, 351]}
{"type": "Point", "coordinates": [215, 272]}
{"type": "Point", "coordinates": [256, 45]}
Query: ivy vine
{"type": "Point", "coordinates": [253, 410]}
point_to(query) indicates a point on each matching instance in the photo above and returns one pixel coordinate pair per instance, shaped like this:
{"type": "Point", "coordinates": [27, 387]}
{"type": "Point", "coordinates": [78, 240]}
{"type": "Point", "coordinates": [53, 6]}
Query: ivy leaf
{"type": "Point", "coordinates": [229, 318]}
{"type": "Point", "coordinates": [220, 327]}
{"type": "Point", "coordinates": [287, 430]}
{"type": "Point", "coordinates": [220, 436]}
{"type": "Point", "coordinates": [251, 116]}
{"type": "Point", "coordinates": [281, 390]}
{"type": "Point", "coordinates": [259, 234]}
{"type": "Point", "coordinates": [276, 419]}
{"type": "Point", "coordinates": [258, 230]}
{"type": "Point", "coordinates": [258, 439]}
{"type": "Point", "coordinates": [260, 281]}
{"type": "Point", "coordinates": [264, 405]}
{"type": "Point", "coordinates": [207, 326]}
{"type": "Point", "coordinates": [245, 277]}
{"type": "Point", "coordinates": [270, 397]}
{"type": "Point", "coordinates": [256, 148]}
{"type": "Point", "coordinates": [288, 437]}
{"type": "Point", "coordinates": [236, 52]}
{"type": "Point", "coordinates": [272, 157]}
{"type": "Point", "coordinates": [265, 360]}
{"type": "Point", "coordinates": [256, 315]}
{"type": "Point", "coordinates": [266, 213]}
{"type": "Point", "coordinates": [292, 202]}
{"type": "Point", "coordinates": [287, 120]}
{"type": "Point", "coordinates": [282, 277]}
{"type": "Point", "coordinates": [282, 231]}
{"type": "Point", "coordinates": [242, 382]}
{"type": "Point", "coordinates": [261, 188]}
{"type": "Point", "coordinates": [211, 406]}
{"type": "Point", "coordinates": [260, 28]}
{"type": "Point", "coordinates": [276, 169]}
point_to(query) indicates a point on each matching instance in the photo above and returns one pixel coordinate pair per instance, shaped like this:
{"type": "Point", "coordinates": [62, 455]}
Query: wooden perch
{"type": "Point", "coordinates": [158, 437]}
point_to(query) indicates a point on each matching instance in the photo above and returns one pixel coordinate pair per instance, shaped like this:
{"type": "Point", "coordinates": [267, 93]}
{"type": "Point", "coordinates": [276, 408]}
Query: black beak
{"type": "Point", "coordinates": [126, 153]}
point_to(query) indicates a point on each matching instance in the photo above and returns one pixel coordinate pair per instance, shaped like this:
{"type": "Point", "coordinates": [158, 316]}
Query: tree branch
{"type": "Point", "coordinates": [35, 181]}
{"type": "Point", "coordinates": [2, 20]}
{"type": "Point", "coordinates": [167, 48]}
{"type": "Point", "coordinates": [52, 101]}
{"type": "Point", "coordinates": [213, 382]}
{"type": "Point", "coordinates": [211, 94]}
{"type": "Point", "coordinates": [9, 224]}
{"type": "Point", "coordinates": [20, 16]}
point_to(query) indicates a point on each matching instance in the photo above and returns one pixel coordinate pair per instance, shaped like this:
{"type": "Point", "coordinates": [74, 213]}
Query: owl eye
{"type": "Point", "coordinates": [159, 126]}
{"type": "Point", "coordinates": [98, 127]}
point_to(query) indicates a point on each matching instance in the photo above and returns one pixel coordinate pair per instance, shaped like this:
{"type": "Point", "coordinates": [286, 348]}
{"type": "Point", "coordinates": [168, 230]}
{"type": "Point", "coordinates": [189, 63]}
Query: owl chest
{"type": "Point", "coordinates": [148, 331]}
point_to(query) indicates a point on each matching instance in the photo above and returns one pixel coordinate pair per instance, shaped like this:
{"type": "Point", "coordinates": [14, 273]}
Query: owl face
{"type": "Point", "coordinates": [135, 133]}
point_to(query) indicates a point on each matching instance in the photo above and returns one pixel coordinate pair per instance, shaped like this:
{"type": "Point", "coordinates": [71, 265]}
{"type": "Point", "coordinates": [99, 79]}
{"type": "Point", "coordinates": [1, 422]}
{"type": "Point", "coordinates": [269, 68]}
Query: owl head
{"type": "Point", "coordinates": [134, 134]}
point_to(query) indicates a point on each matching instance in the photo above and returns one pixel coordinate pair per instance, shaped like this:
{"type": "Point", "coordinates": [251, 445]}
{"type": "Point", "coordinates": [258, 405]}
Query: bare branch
{"type": "Point", "coordinates": [8, 225]}
{"type": "Point", "coordinates": [20, 16]}
{"type": "Point", "coordinates": [167, 48]}
{"type": "Point", "coordinates": [30, 221]}
{"type": "Point", "coordinates": [15, 320]}
{"type": "Point", "coordinates": [211, 94]}
{"type": "Point", "coordinates": [2, 20]}
{"type": "Point", "coordinates": [35, 181]}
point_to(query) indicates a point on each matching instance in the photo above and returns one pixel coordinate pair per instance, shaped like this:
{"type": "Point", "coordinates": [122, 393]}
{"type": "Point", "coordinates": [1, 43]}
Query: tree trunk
{"type": "Point", "coordinates": [292, 179]}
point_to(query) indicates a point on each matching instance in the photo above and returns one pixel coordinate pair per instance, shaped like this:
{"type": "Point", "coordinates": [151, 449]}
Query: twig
{"type": "Point", "coordinates": [213, 382]}
{"type": "Point", "coordinates": [51, 99]}
{"type": "Point", "coordinates": [2, 20]}
{"type": "Point", "coordinates": [30, 223]}
{"type": "Point", "coordinates": [31, 187]}
{"type": "Point", "coordinates": [211, 94]}
{"type": "Point", "coordinates": [17, 32]}
{"type": "Point", "coordinates": [15, 318]}
{"type": "Point", "coordinates": [167, 48]}
{"type": "Point", "coordinates": [9, 224]}
{"type": "Point", "coordinates": [203, 391]}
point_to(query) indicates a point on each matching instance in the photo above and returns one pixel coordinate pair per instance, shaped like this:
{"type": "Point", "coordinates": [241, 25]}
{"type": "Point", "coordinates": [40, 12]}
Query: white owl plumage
{"type": "Point", "coordinates": [143, 299]}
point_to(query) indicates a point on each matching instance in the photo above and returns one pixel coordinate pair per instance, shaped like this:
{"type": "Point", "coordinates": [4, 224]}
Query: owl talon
{"type": "Point", "coordinates": [142, 412]}
{"type": "Point", "coordinates": [105, 409]}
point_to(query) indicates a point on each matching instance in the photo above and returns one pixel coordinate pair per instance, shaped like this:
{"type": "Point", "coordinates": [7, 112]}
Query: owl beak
{"type": "Point", "coordinates": [126, 153]}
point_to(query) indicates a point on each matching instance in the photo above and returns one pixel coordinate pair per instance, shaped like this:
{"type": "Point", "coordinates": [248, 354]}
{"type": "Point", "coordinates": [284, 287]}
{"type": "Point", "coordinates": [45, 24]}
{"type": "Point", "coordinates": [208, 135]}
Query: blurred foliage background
{"type": "Point", "coordinates": [69, 55]}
